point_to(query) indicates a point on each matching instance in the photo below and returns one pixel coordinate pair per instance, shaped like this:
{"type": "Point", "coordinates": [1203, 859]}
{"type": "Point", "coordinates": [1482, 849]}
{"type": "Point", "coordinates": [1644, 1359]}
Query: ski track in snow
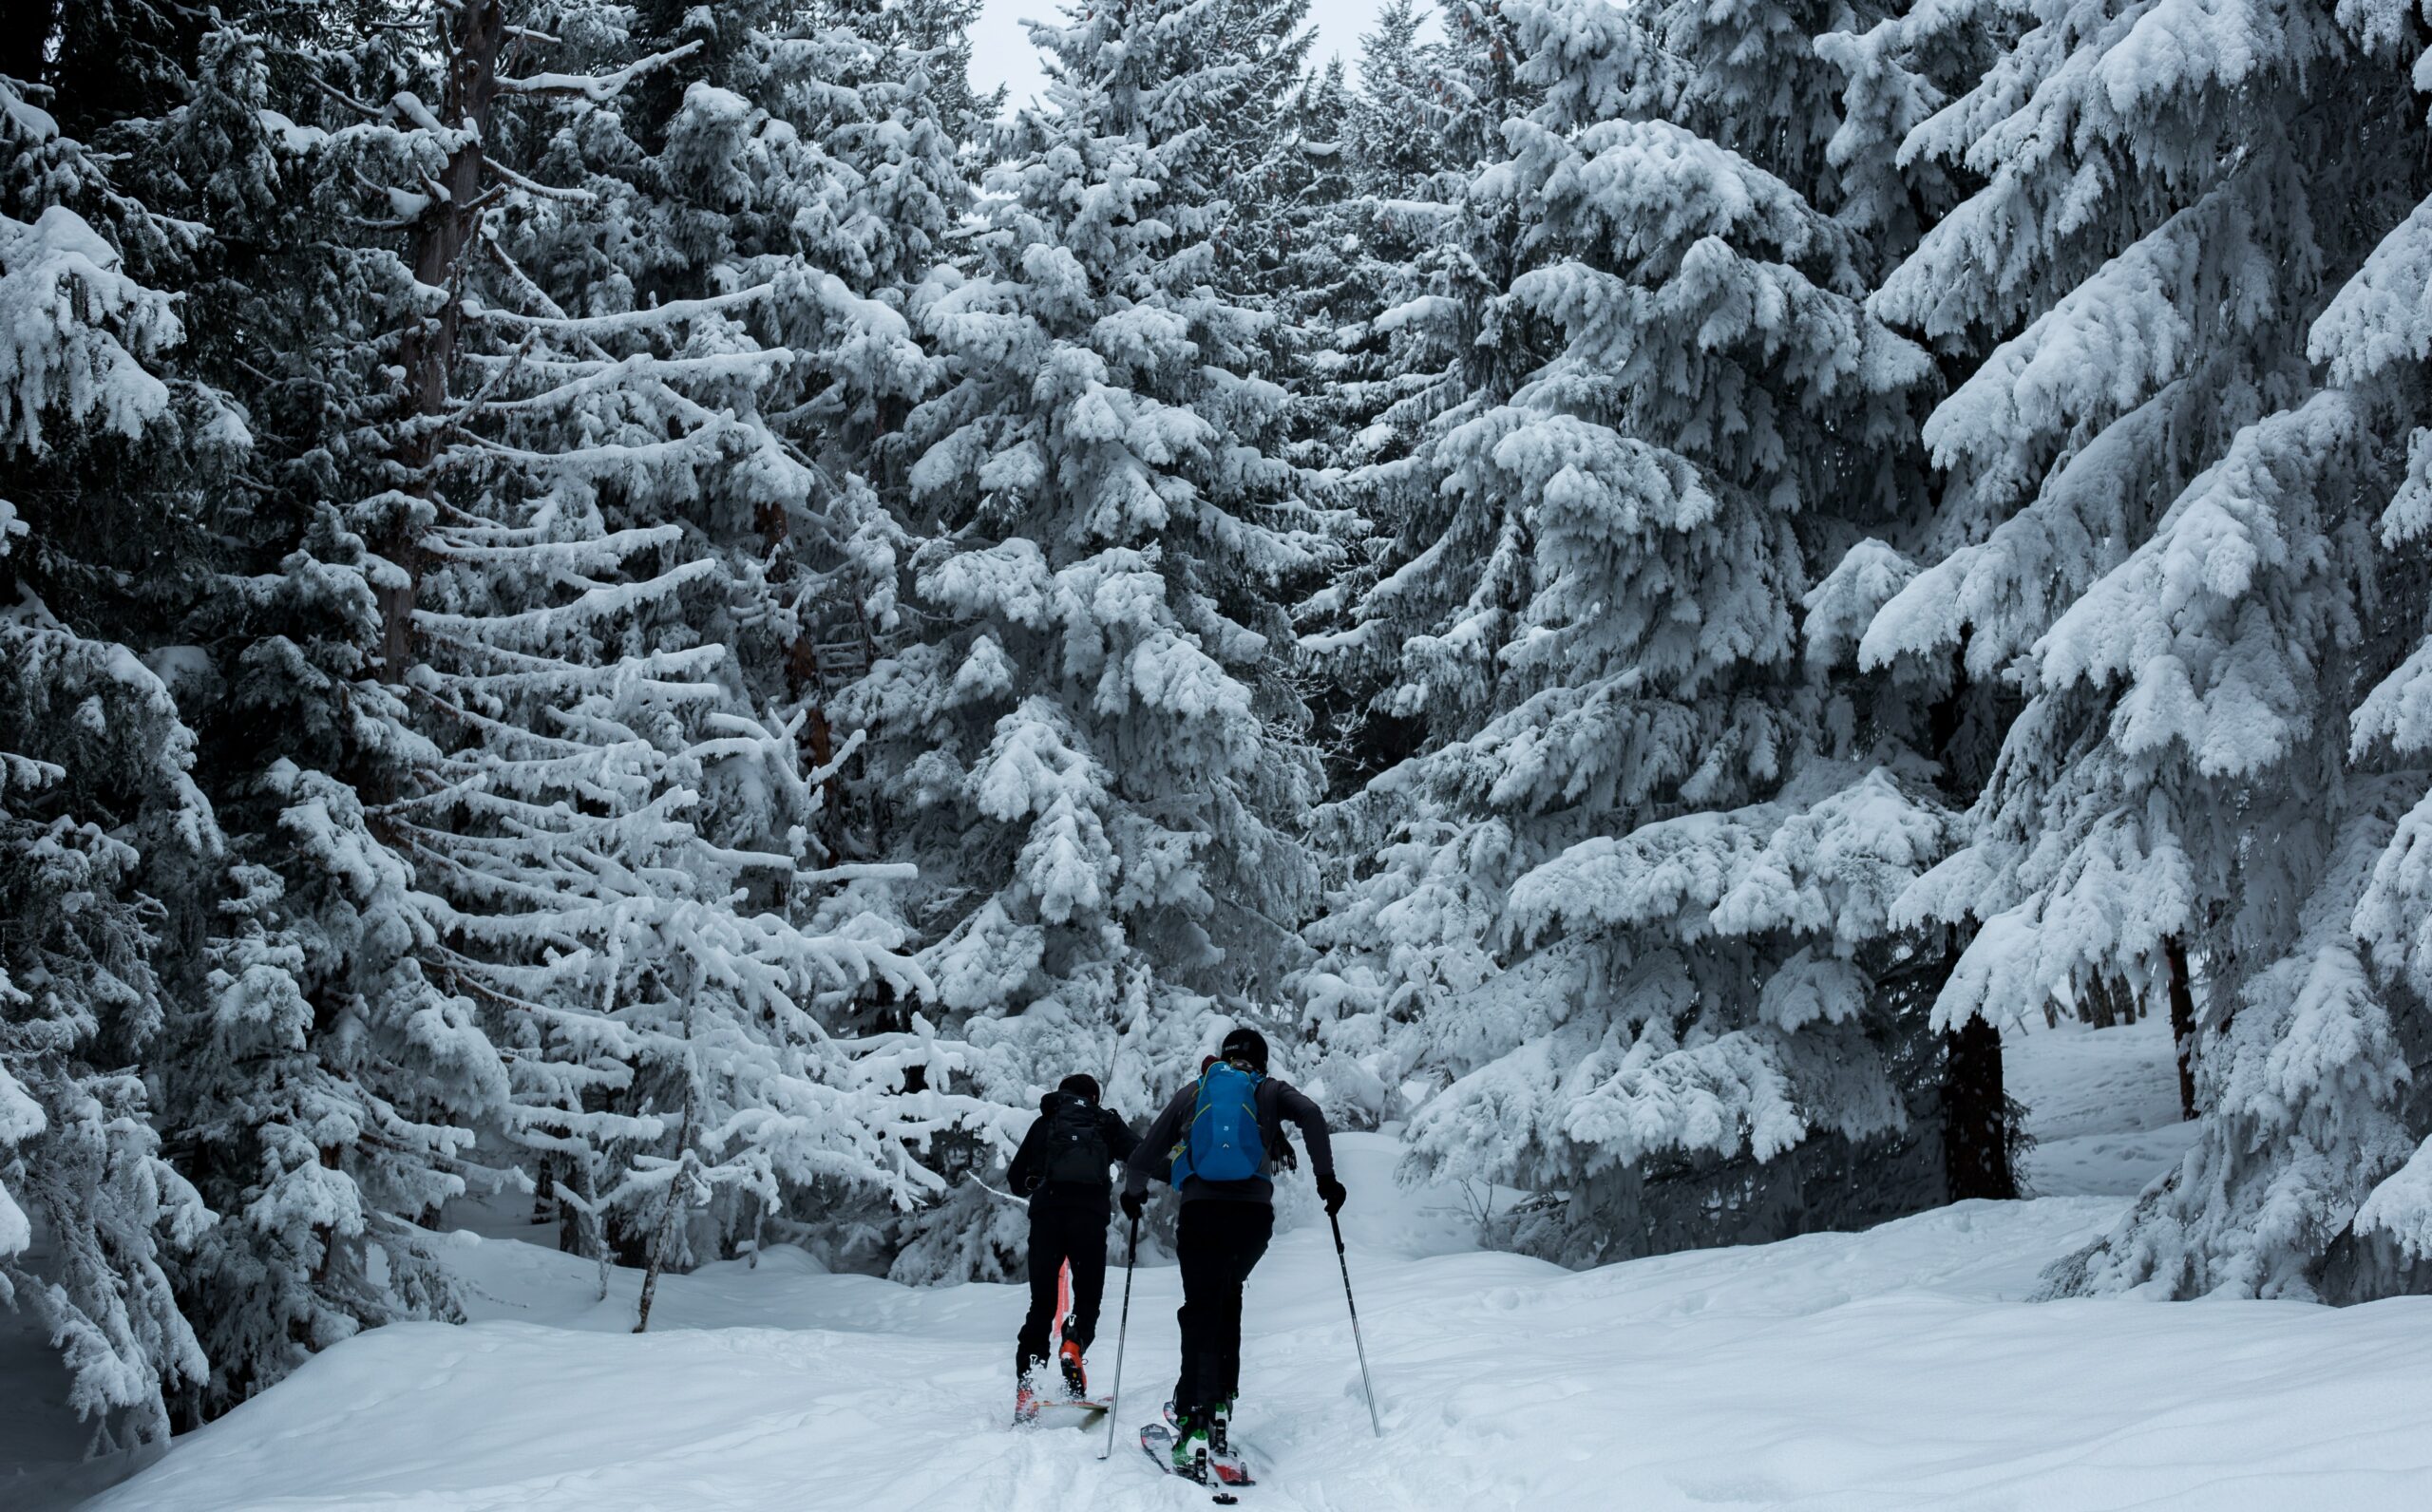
{"type": "Point", "coordinates": [1873, 1372]}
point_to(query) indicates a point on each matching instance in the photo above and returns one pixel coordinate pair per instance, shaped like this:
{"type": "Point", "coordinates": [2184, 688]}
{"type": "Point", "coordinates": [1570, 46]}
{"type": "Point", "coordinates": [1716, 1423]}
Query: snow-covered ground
{"type": "Point", "coordinates": [2101, 1103]}
{"type": "Point", "coordinates": [1891, 1369]}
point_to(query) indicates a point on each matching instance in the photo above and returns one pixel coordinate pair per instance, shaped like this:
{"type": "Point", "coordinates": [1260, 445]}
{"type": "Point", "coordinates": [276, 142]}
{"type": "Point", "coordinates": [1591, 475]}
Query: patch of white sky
{"type": "Point", "coordinates": [1001, 50]}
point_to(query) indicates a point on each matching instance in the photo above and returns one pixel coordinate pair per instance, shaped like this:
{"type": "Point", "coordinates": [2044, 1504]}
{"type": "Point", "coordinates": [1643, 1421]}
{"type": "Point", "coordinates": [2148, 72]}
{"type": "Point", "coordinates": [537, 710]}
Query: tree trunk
{"type": "Point", "coordinates": [332, 1158]}
{"type": "Point", "coordinates": [1975, 1131]}
{"type": "Point", "coordinates": [2182, 1021]}
{"type": "Point", "coordinates": [658, 1240]}
{"type": "Point", "coordinates": [442, 238]}
{"type": "Point", "coordinates": [580, 1231]}
{"type": "Point", "coordinates": [657, 1263]}
{"type": "Point", "coordinates": [2107, 1001]}
{"type": "Point", "coordinates": [2096, 1010]}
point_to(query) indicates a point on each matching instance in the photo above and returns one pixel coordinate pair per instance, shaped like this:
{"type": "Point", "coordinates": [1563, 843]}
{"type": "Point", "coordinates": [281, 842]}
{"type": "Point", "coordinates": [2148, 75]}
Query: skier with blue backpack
{"type": "Point", "coordinates": [1219, 1141]}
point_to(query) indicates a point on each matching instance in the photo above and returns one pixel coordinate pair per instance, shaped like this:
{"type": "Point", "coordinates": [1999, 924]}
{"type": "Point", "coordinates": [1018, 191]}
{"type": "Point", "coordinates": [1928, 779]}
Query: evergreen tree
{"type": "Point", "coordinates": [1094, 755]}
{"type": "Point", "coordinates": [1633, 922]}
{"type": "Point", "coordinates": [1402, 182]}
{"type": "Point", "coordinates": [1314, 268]}
{"type": "Point", "coordinates": [99, 818]}
{"type": "Point", "coordinates": [1253, 103]}
{"type": "Point", "coordinates": [295, 1072]}
{"type": "Point", "coordinates": [928, 43]}
{"type": "Point", "coordinates": [1946, 714]}
{"type": "Point", "coordinates": [1435, 344]}
{"type": "Point", "coordinates": [621, 838]}
{"type": "Point", "coordinates": [1398, 140]}
{"type": "Point", "coordinates": [2158, 521]}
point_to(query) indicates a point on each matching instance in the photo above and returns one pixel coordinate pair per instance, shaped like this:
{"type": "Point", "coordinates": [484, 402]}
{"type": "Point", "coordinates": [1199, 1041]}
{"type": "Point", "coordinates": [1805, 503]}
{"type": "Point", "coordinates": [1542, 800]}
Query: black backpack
{"type": "Point", "coordinates": [1078, 1153]}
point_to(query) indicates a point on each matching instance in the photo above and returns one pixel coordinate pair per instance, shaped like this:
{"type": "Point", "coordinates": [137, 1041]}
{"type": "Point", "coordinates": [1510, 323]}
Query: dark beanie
{"type": "Point", "coordinates": [1248, 1046]}
{"type": "Point", "coordinates": [1079, 1086]}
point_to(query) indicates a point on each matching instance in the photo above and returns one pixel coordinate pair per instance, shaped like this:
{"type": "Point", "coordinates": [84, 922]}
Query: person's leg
{"type": "Point", "coordinates": [1253, 1225]}
{"type": "Point", "coordinates": [1203, 1275]}
{"type": "Point", "coordinates": [1085, 1245]}
{"type": "Point", "coordinates": [1046, 1255]}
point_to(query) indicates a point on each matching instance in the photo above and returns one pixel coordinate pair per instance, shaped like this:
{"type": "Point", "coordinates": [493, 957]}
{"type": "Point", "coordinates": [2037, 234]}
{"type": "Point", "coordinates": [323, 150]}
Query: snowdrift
{"type": "Point", "coordinates": [1889, 1369]}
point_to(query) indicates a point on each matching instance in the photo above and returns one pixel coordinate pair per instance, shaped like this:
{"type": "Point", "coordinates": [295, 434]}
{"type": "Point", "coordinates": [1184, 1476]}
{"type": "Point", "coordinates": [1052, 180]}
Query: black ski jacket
{"type": "Point", "coordinates": [1026, 1176]}
{"type": "Point", "coordinates": [1276, 1101]}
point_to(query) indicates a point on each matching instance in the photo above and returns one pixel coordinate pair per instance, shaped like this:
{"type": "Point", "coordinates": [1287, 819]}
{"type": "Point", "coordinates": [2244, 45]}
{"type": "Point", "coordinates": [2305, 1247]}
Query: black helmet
{"type": "Point", "coordinates": [1079, 1084]}
{"type": "Point", "coordinates": [1248, 1046]}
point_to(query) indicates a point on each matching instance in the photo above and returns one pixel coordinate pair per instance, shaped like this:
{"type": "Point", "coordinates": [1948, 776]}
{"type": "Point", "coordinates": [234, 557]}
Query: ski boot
{"type": "Point", "coordinates": [1173, 1413]}
{"type": "Point", "coordinates": [1025, 1404]}
{"type": "Point", "coordinates": [1077, 1381]}
{"type": "Point", "coordinates": [1190, 1446]}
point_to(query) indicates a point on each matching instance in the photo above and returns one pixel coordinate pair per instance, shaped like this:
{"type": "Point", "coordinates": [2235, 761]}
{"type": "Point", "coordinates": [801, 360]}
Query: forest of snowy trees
{"type": "Point", "coordinates": [655, 610]}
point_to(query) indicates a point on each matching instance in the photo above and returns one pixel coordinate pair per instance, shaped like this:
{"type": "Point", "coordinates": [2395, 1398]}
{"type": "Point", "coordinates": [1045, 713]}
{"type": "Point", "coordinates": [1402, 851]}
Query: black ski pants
{"type": "Point", "coordinates": [1061, 1233]}
{"type": "Point", "coordinates": [1218, 1243]}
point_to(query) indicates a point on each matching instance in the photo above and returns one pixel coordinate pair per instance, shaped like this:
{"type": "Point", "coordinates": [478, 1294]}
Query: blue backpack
{"type": "Point", "coordinates": [1224, 1142]}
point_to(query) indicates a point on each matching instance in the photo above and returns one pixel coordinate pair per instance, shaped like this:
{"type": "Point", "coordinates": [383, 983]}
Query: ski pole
{"type": "Point", "coordinates": [1367, 1382]}
{"type": "Point", "coordinates": [1114, 1398]}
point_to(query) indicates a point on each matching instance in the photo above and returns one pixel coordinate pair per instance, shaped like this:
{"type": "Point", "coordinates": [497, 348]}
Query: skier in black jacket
{"type": "Point", "coordinates": [1064, 1167]}
{"type": "Point", "coordinates": [1225, 1228]}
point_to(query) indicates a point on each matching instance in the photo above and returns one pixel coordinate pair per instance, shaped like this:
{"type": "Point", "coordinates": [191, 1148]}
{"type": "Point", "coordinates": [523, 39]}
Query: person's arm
{"type": "Point", "coordinates": [1156, 1139]}
{"type": "Point", "coordinates": [1021, 1178]}
{"type": "Point", "coordinates": [1292, 1103]}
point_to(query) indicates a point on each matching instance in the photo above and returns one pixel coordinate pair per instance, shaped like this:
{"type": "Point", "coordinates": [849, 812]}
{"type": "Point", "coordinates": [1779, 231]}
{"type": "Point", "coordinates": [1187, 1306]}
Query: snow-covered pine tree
{"type": "Point", "coordinates": [102, 831]}
{"type": "Point", "coordinates": [1325, 282]}
{"type": "Point", "coordinates": [312, 1082]}
{"type": "Point", "coordinates": [1422, 344]}
{"type": "Point", "coordinates": [1895, 75]}
{"type": "Point", "coordinates": [598, 839]}
{"type": "Point", "coordinates": [930, 39]}
{"type": "Point", "coordinates": [809, 152]}
{"type": "Point", "coordinates": [1398, 182]}
{"type": "Point", "coordinates": [1092, 751]}
{"type": "Point", "coordinates": [1455, 341]}
{"type": "Point", "coordinates": [798, 152]}
{"type": "Point", "coordinates": [1314, 269]}
{"type": "Point", "coordinates": [2159, 521]}
{"type": "Point", "coordinates": [1253, 106]}
{"type": "Point", "coordinates": [1629, 937]}
{"type": "Point", "coordinates": [1396, 127]}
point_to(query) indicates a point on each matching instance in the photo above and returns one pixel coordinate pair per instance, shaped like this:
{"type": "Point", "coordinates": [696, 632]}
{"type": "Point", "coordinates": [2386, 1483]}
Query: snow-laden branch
{"type": "Point", "coordinates": [597, 88]}
{"type": "Point", "coordinates": [628, 320]}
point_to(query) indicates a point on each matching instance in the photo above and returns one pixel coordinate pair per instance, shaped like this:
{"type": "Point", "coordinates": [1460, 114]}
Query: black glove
{"type": "Point", "coordinates": [1332, 1191]}
{"type": "Point", "coordinates": [1133, 1204]}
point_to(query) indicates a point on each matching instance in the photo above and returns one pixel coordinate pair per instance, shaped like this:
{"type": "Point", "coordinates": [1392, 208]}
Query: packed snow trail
{"type": "Point", "coordinates": [1870, 1373]}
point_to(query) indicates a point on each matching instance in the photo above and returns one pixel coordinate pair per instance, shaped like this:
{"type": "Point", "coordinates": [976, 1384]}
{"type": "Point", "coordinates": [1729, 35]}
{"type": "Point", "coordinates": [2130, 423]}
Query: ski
{"type": "Point", "coordinates": [1075, 1411]}
{"type": "Point", "coordinates": [1229, 1471]}
{"type": "Point", "coordinates": [1062, 1412]}
{"type": "Point", "coordinates": [1080, 1410]}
